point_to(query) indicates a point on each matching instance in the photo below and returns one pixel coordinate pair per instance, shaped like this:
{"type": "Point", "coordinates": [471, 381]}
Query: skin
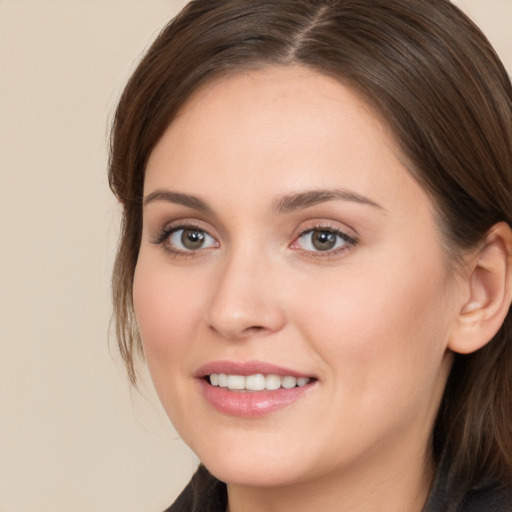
{"type": "Point", "coordinates": [371, 321]}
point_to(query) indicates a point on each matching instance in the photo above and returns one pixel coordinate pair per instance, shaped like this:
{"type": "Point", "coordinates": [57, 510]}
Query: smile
{"type": "Point", "coordinates": [256, 382]}
{"type": "Point", "coordinates": [252, 389]}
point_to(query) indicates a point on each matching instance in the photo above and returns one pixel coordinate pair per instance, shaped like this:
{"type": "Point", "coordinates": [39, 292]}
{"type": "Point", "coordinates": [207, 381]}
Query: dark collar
{"type": "Point", "coordinates": [205, 493]}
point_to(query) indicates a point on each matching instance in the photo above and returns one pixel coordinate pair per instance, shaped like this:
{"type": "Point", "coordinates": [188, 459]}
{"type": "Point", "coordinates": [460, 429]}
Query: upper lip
{"type": "Point", "coordinates": [247, 368]}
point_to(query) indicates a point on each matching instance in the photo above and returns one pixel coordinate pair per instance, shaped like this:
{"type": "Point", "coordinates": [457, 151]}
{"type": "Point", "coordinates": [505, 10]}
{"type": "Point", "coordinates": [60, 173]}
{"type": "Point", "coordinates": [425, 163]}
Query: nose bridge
{"type": "Point", "coordinates": [244, 302]}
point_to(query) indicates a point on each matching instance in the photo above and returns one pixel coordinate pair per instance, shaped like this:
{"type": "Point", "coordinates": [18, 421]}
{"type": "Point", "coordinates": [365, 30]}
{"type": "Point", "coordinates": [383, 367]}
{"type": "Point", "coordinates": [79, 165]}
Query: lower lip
{"type": "Point", "coordinates": [251, 404]}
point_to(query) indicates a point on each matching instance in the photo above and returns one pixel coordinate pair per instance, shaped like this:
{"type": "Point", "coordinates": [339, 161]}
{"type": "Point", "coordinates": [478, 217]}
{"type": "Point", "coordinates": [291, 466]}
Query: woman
{"type": "Point", "coordinates": [316, 253]}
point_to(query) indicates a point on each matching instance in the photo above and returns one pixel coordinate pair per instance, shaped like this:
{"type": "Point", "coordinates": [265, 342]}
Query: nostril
{"type": "Point", "coordinates": [253, 329]}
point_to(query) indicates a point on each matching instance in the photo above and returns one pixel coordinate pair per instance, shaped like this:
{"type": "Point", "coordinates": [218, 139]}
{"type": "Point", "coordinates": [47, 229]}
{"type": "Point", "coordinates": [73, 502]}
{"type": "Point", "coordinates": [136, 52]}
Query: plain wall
{"type": "Point", "coordinates": [73, 435]}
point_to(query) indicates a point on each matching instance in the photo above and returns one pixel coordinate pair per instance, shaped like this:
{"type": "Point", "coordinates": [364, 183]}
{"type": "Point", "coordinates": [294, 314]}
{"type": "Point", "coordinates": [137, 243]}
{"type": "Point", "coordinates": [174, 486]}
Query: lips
{"type": "Point", "coordinates": [251, 389]}
{"type": "Point", "coordinates": [247, 368]}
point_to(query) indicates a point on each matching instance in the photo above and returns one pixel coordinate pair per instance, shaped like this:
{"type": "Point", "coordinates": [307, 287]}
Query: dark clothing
{"type": "Point", "coordinates": [445, 496]}
{"type": "Point", "coordinates": [205, 493]}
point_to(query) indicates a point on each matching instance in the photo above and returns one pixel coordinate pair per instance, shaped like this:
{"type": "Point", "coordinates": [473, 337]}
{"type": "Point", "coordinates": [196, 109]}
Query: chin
{"type": "Point", "coordinates": [252, 473]}
{"type": "Point", "coordinates": [267, 463]}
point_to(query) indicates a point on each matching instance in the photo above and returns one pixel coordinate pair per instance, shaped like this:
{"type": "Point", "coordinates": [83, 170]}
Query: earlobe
{"type": "Point", "coordinates": [489, 283]}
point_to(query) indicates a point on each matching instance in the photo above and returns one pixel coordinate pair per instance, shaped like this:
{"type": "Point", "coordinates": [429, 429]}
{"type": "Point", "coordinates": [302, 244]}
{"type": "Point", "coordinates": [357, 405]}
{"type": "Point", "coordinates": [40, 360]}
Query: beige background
{"type": "Point", "coordinates": [72, 434]}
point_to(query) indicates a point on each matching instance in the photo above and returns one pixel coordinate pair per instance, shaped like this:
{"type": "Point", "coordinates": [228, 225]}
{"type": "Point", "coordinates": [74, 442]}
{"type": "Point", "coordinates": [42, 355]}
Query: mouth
{"type": "Point", "coordinates": [252, 389]}
{"type": "Point", "coordinates": [256, 382]}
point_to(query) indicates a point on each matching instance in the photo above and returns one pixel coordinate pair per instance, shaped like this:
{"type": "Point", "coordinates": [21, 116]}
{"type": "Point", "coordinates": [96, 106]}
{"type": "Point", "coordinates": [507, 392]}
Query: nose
{"type": "Point", "coordinates": [246, 302]}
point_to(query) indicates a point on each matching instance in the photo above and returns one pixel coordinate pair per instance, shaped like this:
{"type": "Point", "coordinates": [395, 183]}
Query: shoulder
{"type": "Point", "coordinates": [204, 493]}
{"type": "Point", "coordinates": [455, 495]}
{"type": "Point", "coordinates": [488, 499]}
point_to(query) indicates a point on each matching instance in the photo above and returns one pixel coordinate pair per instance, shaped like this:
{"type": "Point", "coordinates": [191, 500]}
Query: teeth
{"type": "Point", "coordinates": [236, 382]}
{"type": "Point", "coordinates": [256, 382]}
{"type": "Point", "coordinates": [289, 382]}
{"type": "Point", "coordinates": [272, 382]}
{"type": "Point", "coordinates": [223, 380]}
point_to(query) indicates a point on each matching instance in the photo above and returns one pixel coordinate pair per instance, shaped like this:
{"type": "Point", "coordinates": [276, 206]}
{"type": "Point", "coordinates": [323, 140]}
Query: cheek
{"type": "Point", "coordinates": [166, 309]}
{"type": "Point", "coordinates": [382, 329]}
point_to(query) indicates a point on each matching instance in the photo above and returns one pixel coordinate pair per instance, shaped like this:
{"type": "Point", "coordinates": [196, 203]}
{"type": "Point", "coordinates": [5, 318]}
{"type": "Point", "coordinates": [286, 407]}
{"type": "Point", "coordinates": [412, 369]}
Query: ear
{"type": "Point", "coordinates": [489, 282]}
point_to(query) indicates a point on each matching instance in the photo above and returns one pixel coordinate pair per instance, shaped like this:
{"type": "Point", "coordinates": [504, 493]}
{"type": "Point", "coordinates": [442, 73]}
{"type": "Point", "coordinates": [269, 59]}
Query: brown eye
{"type": "Point", "coordinates": [188, 239]}
{"type": "Point", "coordinates": [323, 240]}
{"type": "Point", "coordinates": [192, 239]}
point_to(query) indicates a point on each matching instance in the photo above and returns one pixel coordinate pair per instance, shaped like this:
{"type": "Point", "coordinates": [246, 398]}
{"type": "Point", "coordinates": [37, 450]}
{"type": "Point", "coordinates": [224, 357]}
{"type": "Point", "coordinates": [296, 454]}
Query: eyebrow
{"type": "Point", "coordinates": [177, 198]}
{"type": "Point", "coordinates": [293, 202]}
{"type": "Point", "coordinates": [285, 204]}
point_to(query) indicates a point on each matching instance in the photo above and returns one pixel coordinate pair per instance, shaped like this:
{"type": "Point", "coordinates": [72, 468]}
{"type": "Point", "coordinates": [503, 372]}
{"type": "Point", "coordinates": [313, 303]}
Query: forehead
{"type": "Point", "coordinates": [274, 107]}
{"type": "Point", "coordinates": [276, 83]}
{"type": "Point", "coordinates": [275, 131]}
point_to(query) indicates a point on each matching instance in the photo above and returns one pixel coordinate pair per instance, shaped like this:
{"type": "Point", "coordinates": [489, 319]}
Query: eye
{"type": "Point", "coordinates": [323, 239]}
{"type": "Point", "coordinates": [191, 239]}
{"type": "Point", "coordinates": [185, 240]}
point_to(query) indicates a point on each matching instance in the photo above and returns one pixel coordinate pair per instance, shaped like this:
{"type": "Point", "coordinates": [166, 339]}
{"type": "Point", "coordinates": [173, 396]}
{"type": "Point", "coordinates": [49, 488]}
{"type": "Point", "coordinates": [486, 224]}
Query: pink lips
{"type": "Point", "coordinates": [247, 368]}
{"type": "Point", "coordinates": [249, 404]}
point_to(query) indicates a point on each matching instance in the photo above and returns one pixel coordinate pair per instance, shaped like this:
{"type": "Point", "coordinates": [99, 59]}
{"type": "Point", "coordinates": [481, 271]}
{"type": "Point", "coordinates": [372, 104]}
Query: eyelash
{"type": "Point", "coordinates": [163, 236]}
{"type": "Point", "coordinates": [351, 241]}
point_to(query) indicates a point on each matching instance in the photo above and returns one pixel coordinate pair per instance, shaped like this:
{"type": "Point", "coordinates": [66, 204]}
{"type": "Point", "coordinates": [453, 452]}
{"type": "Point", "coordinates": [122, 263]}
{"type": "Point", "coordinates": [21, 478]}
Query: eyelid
{"type": "Point", "coordinates": [163, 234]}
{"type": "Point", "coordinates": [172, 235]}
{"type": "Point", "coordinates": [326, 225]}
{"type": "Point", "coordinates": [180, 223]}
{"type": "Point", "coordinates": [306, 228]}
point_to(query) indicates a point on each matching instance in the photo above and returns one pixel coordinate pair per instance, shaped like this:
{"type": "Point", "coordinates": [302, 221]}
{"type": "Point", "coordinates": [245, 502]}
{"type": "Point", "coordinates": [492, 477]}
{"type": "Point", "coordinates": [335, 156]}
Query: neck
{"type": "Point", "coordinates": [397, 485]}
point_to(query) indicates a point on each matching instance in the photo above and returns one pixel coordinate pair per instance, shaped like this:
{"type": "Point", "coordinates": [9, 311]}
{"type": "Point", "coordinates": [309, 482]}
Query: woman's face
{"type": "Point", "coordinates": [285, 244]}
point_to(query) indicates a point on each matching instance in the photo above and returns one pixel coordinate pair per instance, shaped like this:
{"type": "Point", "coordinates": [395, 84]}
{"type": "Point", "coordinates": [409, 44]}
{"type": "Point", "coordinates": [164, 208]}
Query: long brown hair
{"type": "Point", "coordinates": [438, 83]}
